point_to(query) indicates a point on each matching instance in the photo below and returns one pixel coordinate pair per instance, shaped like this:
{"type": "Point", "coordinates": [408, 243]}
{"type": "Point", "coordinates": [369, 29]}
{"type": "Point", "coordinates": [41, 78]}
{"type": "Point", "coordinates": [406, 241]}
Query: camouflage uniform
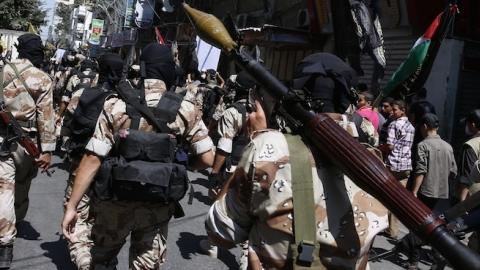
{"type": "Point", "coordinates": [195, 93]}
{"type": "Point", "coordinates": [219, 110]}
{"type": "Point", "coordinates": [75, 81]}
{"type": "Point", "coordinates": [257, 207]}
{"type": "Point", "coordinates": [81, 242]}
{"type": "Point", "coordinates": [61, 78]}
{"type": "Point", "coordinates": [31, 103]}
{"type": "Point", "coordinates": [229, 126]}
{"type": "Point", "coordinates": [113, 219]}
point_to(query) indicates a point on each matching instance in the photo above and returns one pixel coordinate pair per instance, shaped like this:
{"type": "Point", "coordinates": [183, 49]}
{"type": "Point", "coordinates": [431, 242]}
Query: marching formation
{"type": "Point", "coordinates": [130, 132]}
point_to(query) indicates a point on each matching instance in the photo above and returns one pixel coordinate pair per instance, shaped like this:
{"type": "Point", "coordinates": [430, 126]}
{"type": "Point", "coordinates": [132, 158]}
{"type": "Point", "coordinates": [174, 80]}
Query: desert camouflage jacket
{"type": "Point", "coordinates": [229, 126]}
{"type": "Point", "coordinates": [60, 80]}
{"type": "Point", "coordinates": [31, 100]}
{"type": "Point", "coordinates": [257, 206]}
{"type": "Point", "coordinates": [74, 81]}
{"type": "Point", "coordinates": [113, 118]}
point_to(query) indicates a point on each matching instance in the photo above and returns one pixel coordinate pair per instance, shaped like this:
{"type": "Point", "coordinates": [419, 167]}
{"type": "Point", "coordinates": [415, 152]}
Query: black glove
{"type": "Point", "coordinates": [216, 180]}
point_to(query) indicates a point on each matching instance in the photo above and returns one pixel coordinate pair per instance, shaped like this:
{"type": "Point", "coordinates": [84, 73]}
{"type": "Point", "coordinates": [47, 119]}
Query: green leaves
{"type": "Point", "coordinates": [16, 14]}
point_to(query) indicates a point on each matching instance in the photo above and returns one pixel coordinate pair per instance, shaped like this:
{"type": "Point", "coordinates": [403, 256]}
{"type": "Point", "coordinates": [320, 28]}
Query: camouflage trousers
{"type": "Point", "coordinates": [81, 242]}
{"type": "Point", "coordinates": [7, 200]}
{"type": "Point", "coordinates": [16, 173]}
{"type": "Point", "coordinates": [146, 223]}
{"type": "Point", "coordinates": [25, 171]}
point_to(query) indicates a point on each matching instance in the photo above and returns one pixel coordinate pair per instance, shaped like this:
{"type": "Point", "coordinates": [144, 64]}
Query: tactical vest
{"type": "Point", "coordinates": [211, 97]}
{"type": "Point", "coordinates": [474, 143]}
{"type": "Point", "coordinates": [241, 140]}
{"type": "Point", "coordinates": [81, 125]}
{"type": "Point", "coordinates": [141, 166]}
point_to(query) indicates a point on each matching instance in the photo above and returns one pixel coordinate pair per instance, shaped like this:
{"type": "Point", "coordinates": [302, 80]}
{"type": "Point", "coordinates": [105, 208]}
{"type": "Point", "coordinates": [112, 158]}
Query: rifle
{"type": "Point", "coordinates": [19, 135]}
{"type": "Point", "coordinates": [366, 170]}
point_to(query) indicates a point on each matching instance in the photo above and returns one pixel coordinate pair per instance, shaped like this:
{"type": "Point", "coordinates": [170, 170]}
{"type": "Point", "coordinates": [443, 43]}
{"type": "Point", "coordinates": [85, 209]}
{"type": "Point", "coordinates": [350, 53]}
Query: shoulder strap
{"type": "Point", "coordinates": [19, 73]}
{"type": "Point", "coordinates": [242, 109]}
{"type": "Point", "coordinates": [1, 84]}
{"type": "Point", "coordinates": [168, 106]}
{"type": "Point", "coordinates": [306, 250]}
{"type": "Point", "coordinates": [140, 107]}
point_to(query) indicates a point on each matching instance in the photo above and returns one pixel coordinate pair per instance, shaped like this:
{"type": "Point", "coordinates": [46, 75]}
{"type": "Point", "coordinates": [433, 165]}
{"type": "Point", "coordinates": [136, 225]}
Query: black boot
{"type": "Point", "coordinates": [6, 256]}
{"type": "Point", "coordinates": [439, 262]}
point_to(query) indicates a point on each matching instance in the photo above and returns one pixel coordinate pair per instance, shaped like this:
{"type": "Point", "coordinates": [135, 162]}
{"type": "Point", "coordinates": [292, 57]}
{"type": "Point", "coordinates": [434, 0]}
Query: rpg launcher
{"type": "Point", "coordinates": [366, 170]}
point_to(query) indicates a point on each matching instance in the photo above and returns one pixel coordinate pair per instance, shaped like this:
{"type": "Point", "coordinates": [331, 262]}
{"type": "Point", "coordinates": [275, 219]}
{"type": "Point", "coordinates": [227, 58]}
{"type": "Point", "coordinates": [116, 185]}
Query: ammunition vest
{"type": "Point", "coordinates": [142, 164]}
{"type": "Point", "coordinates": [474, 143]}
{"type": "Point", "coordinates": [211, 98]}
{"type": "Point", "coordinates": [81, 125]}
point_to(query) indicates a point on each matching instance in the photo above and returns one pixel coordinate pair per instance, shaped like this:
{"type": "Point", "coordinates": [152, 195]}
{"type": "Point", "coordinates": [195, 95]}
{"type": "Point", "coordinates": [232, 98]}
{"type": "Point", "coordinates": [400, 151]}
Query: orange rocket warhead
{"type": "Point", "coordinates": [210, 28]}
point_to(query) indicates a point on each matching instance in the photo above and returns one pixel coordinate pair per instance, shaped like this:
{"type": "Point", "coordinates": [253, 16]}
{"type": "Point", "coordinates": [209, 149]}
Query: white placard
{"type": "Point", "coordinates": [208, 55]}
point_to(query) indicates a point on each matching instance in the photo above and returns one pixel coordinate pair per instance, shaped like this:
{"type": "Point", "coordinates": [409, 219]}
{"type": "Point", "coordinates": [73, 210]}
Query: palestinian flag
{"type": "Point", "coordinates": [414, 71]}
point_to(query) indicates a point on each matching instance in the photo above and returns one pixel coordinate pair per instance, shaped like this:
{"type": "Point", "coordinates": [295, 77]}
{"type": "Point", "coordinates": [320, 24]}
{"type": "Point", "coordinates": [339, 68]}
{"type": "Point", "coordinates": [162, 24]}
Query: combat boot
{"type": "Point", "coordinates": [6, 256]}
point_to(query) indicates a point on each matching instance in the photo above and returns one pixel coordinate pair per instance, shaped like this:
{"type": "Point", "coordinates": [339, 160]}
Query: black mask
{"type": "Point", "coordinates": [159, 63]}
{"type": "Point", "coordinates": [30, 47]}
{"type": "Point", "coordinates": [327, 81]}
{"type": "Point", "coordinates": [110, 68]}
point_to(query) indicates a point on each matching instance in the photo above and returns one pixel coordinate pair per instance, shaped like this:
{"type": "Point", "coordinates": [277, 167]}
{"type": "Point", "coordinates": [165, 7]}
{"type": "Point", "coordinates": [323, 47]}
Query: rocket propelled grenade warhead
{"type": "Point", "coordinates": [210, 29]}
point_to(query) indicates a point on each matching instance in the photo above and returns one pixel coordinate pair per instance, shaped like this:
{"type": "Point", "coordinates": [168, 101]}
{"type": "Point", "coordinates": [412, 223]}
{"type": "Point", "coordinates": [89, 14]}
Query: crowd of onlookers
{"type": "Point", "coordinates": [421, 160]}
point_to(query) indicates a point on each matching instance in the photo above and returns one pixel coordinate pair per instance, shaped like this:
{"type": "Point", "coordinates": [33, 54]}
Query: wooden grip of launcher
{"type": "Point", "coordinates": [369, 173]}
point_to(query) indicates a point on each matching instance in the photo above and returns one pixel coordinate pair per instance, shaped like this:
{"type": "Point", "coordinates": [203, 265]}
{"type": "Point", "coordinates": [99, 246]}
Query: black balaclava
{"type": "Point", "coordinates": [327, 80]}
{"type": "Point", "coordinates": [30, 47]}
{"type": "Point", "coordinates": [159, 63]}
{"type": "Point", "coordinates": [110, 69]}
{"type": "Point", "coordinates": [243, 83]}
{"type": "Point", "coordinates": [88, 64]}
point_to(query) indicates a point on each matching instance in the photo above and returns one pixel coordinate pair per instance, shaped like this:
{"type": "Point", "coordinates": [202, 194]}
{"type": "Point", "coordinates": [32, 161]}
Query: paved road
{"type": "Point", "coordinates": [40, 244]}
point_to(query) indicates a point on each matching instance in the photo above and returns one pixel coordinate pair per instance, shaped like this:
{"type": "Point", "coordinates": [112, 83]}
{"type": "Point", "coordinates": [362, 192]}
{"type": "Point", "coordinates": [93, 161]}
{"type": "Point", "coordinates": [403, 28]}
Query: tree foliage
{"type": "Point", "coordinates": [62, 29]}
{"type": "Point", "coordinates": [63, 11]}
{"type": "Point", "coordinates": [17, 14]}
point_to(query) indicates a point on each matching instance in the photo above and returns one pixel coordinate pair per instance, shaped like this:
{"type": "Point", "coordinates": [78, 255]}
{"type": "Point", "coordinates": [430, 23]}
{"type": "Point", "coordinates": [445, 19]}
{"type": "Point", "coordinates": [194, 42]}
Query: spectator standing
{"type": "Point", "coordinates": [399, 149]}
{"type": "Point", "coordinates": [468, 163]}
{"type": "Point", "coordinates": [435, 164]}
{"type": "Point", "coordinates": [434, 167]}
{"type": "Point", "coordinates": [387, 112]}
{"type": "Point", "coordinates": [470, 154]}
{"type": "Point", "coordinates": [365, 109]}
{"type": "Point", "coordinates": [415, 113]}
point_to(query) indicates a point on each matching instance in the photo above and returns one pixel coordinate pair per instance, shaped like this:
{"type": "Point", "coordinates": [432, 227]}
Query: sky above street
{"type": "Point", "coordinates": [49, 5]}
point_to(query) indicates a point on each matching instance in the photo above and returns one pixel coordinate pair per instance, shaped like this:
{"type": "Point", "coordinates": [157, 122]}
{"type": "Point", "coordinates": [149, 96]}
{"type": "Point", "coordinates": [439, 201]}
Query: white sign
{"type": "Point", "coordinates": [208, 55]}
{"type": "Point", "coordinates": [59, 55]}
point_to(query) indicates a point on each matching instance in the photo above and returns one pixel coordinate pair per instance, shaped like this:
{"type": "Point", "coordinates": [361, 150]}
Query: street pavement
{"type": "Point", "coordinates": [40, 245]}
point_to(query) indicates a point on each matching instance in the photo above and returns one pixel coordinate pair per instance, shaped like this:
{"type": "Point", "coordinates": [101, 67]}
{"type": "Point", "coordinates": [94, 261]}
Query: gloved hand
{"type": "Point", "coordinates": [216, 184]}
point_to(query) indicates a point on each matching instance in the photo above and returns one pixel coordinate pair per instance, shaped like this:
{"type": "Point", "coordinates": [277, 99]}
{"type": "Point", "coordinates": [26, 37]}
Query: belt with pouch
{"type": "Point", "coordinates": [24, 124]}
{"type": "Point", "coordinates": [27, 124]}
